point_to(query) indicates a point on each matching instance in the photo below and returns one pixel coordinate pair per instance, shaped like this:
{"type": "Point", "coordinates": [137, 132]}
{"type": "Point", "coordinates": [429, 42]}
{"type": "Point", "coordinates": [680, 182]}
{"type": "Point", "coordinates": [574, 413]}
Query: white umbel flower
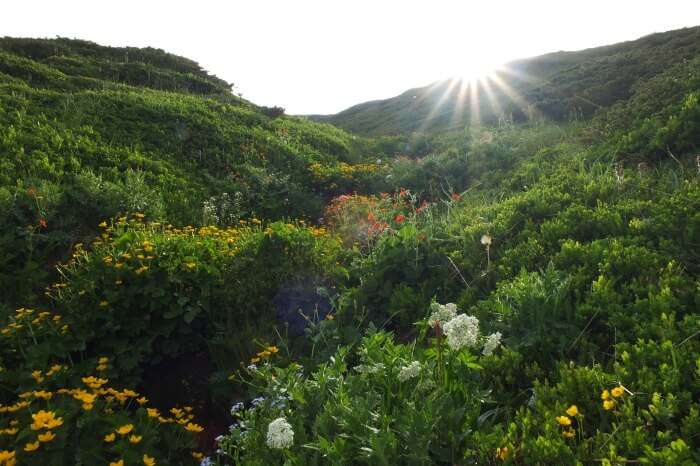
{"type": "Point", "coordinates": [410, 371]}
{"type": "Point", "coordinates": [462, 331]}
{"type": "Point", "coordinates": [493, 341]}
{"type": "Point", "coordinates": [280, 434]}
{"type": "Point", "coordinates": [441, 314]}
{"type": "Point", "coordinates": [486, 240]}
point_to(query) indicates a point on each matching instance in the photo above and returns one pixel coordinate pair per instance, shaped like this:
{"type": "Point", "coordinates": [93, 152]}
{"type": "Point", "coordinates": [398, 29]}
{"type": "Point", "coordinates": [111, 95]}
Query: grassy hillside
{"type": "Point", "coordinates": [562, 86]}
{"type": "Point", "coordinates": [188, 278]}
{"type": "Point", "coordinates": [90, 132]}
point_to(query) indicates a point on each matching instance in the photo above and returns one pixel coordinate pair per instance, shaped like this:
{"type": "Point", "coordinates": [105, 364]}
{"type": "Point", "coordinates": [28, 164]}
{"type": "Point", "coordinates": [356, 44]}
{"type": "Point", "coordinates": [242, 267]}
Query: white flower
{"type": "Point", "coordinates": [410, 371]}
{"type": "Point", "coordinates": [493, 341]}
{"type": "Point", "coordinates": [486, 240]}
{"type": "Point", "coordinates": [280, 434]}
{"type": "Point", "coordinates": [442, 313]}
{"type": "Point", "coordinates": [462, 331]}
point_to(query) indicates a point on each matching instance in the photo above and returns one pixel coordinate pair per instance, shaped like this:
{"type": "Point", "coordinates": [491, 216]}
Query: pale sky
{"type": "Point", "coordinates": [324, 56]}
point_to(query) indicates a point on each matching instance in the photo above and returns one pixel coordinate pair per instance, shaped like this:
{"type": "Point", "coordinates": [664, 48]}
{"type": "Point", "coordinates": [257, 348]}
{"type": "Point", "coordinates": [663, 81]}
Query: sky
{"type": "Point", "coordinates": [319, 57]}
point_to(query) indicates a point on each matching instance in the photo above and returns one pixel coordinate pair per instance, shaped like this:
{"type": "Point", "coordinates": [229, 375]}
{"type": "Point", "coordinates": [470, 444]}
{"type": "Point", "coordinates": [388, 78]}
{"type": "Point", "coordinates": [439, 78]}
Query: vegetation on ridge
{"type": "Point", "coordinates": [189, 278]}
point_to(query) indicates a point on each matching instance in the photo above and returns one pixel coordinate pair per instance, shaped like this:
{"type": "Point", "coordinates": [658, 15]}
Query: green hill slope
{"type": "Point", "coordinates": [561, 86]}
{"type": "Point", "coordinates": [90, 132]}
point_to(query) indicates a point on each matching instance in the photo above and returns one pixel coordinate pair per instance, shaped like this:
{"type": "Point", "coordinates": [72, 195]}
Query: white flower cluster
{"type": "Point", "coordinates": [492, 342]}
{"type": "Point", "coordinates": [280, 434]}
{"type": "Point", "coordinates": [462, 331]}
{"type": "Point", "coordinates": [441, 314]}
{"type": "Point", "coordinates": [410, 371]}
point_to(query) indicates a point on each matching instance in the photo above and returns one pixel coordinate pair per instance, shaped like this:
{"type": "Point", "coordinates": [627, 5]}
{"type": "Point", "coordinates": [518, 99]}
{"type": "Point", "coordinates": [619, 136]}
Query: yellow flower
{"type": "Point", "coordinates": [617, 392]}
{"type": "Point", "coordinates": [272, 349]}
{"type": "Point", "coordinates": [609, 404]}
{"type": "Point", "coordinates": [148, 461]}
{"type": "Point", "coordinates": [37, 376]}
{"type": "Point", "coordinates": [46, 436]}
{"type": "Point", "coordinates": [142, 401]}
{"type": "Point", "coordinates": [103, 360]}
{"type": "Point", "coordinates": [135, 438]}
{"type": "Point", "coordinates": [605, 395]}
{"type": "Point", "coordinates": [7, 458]}
{"type": "Point", "coordinates": [141, 270]}
{"type": "Point", "coordinates": [152, 412]}
{"type": "Point", "coordinates": [254, 360]}
{"type": "Point", "coordinates": [45, 420]}
{"type": "Point", "coordinates": [563, 420]}
{"type": "Point", "coordinates": [572, 411]}
{"type": "Point", "coordinates": [125, 429]}
{"type": "Point", "coordinates": [117, 463]}
{"type": "Point", "coordinates": [87, 406]}
{"type": "Point", "coordinates": [110, 437]}
{"type": "Point", "coordinates": [31, 446]}
{"type": "Point", "coordinates": [502, 453]}
{"type": "Point", "coordinates": [10, 431]}
{"type": "Point", "coordinates": [102, 225]}
{"type": "Point", "coordinates": [568, 433]}
{"type": "Point", "coordinates": [43, 394]}
{"type": "Point", "coordinates": [104, 303]}
{"type": "Point", "coordinates": [193, 427]}
{"type": "Point", "coordinates": [197, 455]}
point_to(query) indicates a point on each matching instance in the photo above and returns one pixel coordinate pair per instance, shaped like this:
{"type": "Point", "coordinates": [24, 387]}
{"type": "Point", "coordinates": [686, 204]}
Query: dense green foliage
{"type": "Point", "coordinates": [179, 240]}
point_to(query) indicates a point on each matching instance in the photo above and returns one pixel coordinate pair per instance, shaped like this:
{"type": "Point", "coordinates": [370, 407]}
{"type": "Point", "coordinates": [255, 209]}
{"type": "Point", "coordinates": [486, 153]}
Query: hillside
{"type": "Point", "coordinates": [189, 278]}
{"type": "Point", "coordinates": [562, 86]}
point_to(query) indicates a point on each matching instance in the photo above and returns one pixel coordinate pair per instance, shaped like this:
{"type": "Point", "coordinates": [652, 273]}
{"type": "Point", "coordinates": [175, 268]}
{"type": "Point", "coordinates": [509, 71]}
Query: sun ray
{"type": "Point", "coordinates": [460, 103]}
{"type": "Point", "coordinates": [436, 108]}
{"type": "Point", "coordinates": [523, 105]}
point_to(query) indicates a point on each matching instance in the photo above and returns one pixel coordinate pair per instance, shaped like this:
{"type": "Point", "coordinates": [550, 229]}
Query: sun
{"type": "Point", "coordinates": [479, 70]}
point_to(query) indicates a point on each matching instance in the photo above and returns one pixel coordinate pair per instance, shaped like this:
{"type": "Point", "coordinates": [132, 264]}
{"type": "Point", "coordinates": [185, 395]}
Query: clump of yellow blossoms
{"type": "Point", "coordinates": [566, 421]}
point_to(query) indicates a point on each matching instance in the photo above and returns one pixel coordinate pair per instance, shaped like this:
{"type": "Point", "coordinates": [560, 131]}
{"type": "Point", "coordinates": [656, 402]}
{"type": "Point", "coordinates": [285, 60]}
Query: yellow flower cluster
{"type": "Point", "coordinates": [7, 458]}
{"type": "Point", "coordinates": [502, 453]}
{"type": "Point", "coordinates": [264, 354]}
{"type": "Point", "coordinates": [30, 319]}
{"type": "Point", "coordinates": [610, 397]}
{"type": "Point", "coordinates": [566, 421]}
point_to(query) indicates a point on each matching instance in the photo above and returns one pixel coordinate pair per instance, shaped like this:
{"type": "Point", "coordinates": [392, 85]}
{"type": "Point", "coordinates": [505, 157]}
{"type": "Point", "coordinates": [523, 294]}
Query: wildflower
{"type": "Point", "coordinates": [135, 438]}
{"type": "Point", "coordinates": [272, 349]}
{"type": "Point", "coordinates": [280, 434]}
{"type": "Point", "coordinates": [486, 240]}
{"type": "Point", "coordinates": [142, 401]}
{"type": "Point", "coordinates": [563, 420]}
{"type": "Point", "coordinates": [410, 371]}
{"type": "Point", "coordinates": [258, 401]}
{"type": "Point", "coordinates": [7, 457]}
{"type": "Point", "coordinates": [609, 404]}
{"type": "Point", "coordinates": [46, 436]}
{"type": "Point", "coordinates": [617, 392]}
{"type": "Point", "coordinates": [400, 218]}
{"type": "Point", "coordinates": [37, 376]}
{"type": "Point", "coordinates": [502, 453]}
{"type": "Point", "coordinates": [45, 420]}
{"type": "Point", "coordinates": [197, 455]}
{"type": "Point", "coordinates": [605, 395]}
{"type": "Point", "coordinates": [236, 407]}
{"type": "Point", "coordinates": [141, 270]}
{"type": "Point", "coordinates": [573, 411]}
{"type": "Point", "coordinates": [191, 427]}
{"type": "Point", "coordinates": [493, 341]}
{"type": "Point", "coordinates": [117, 463]}
{"type": "Point", "coordinates": [102, 225]}
{"type": "Point", "coordinates": [110, 437]}
{"type": "Point", "coordinates": [462, 331]}
{"type": "Point", "coordinates": [568, 433]}
{"type": "Point", "coordinates": [206, 462]}
{"type": "Point", "coordinates": [148, 461]}
{"type": "Point", "coordinates": [125, 429]}
{"type": "Point", "coordinates": [103, 360]}
{"type": "Point", "coordinates": [441, 314]}
{"type": "Point", "coordinates": [31, 446]}
{"type": "Point", "coordinates": [104, 303]}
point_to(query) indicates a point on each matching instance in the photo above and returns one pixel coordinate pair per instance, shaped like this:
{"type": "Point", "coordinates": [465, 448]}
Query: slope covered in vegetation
{"type": "Point", "coordinates": [189, 278]}
{"type": "Point", "coordinates": [559, 86]}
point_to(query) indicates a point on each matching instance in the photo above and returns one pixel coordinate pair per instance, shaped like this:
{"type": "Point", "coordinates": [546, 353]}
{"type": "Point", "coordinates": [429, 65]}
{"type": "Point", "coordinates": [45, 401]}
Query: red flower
{"type": "Point", "coordinates": [399, 218]}
{"type": "Point", "coordinates": [456, 196]}
{"type": "Point", "coordinates": [42, 223]}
